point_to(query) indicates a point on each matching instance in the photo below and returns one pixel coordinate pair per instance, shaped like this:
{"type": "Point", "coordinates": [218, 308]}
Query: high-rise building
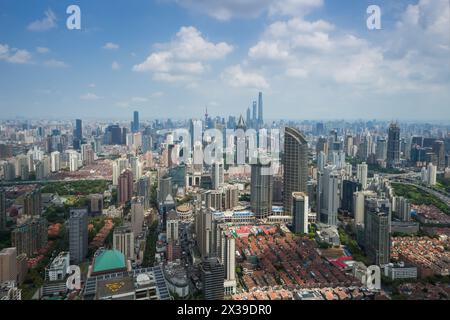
{"type": "Point", "coordinates": [212, 275]}
{"type": "Point", "coordinates": [30, 237]}
{"type": "Point", "coordinates": [295, 166]}
{"type": "Point", "coordinates": [393, 148]}
{"type": "Point", "coordinates": [300, 210]}
{"type": "Point", "coordinates": [377, 225]}
{"type": "Point", "coordinates": [321, 161]}
{"type": "Point", "coordinates": [137, 214]}
{"type": "Point", "coordinates": [260, 110]}
{"type": "Point", "coordinates": [78, 129]}
{"type": "Point", "coordinates": [55, 158]}
{"type": "Point", "coordinates": [125, 187]}
{"type": "Point", "coordinates": [327, 196]}
{"type": "Point", "coordinates": [164, 188]}
{"type": "Point", "coordinates": [32, 203]}
{"type": "Point", "coordinates": [217, 174]}
{"type": "Point", "coordinates": [78, 235]}
{"type": "Point", "coordinates": [123, 241]}
{"type": "Point", "coordinates": [439, 151]}
{"type": "Point", "coordinates": [361, 174]}
{"type": "Point", "coordinates": [2, 209]}
{"type": "Point", "coordinates": [8, 265]}
{"type": "Point", "coordinates": [261, 190]}
{"type": "Point", "coordinates": [254, 116]}
{"type": "Point", "coordinates": [431, 174]}
{"type": "Point", "coordinates": [147, 143]}
{"type": "Point", "coordinates": [381, 150]}
{"type": "Point", "coordinates": [95, 203]}
{"type": "Point", "coordinates": [227, 256]}
{"type": "Point", "coordinates": [403, 208]}
{"type": "Point", "coordinates": [144, 187]}
{"type": "Point", "coordinates": [135, 124]}
{"type": "Point", "coordinates": [172, 226]}
{"type": "Point", "coordinates": [359, 200]}
{"type": "Point", "coordinates": [349, 187]}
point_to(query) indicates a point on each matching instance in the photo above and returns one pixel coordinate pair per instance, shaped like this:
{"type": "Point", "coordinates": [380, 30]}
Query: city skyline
{"type": "Point", "coordinates": [131, 60]}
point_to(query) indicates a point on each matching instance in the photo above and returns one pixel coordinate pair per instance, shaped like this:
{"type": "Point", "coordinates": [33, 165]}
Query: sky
{"type": "Point", "coordinates": [312, 59]}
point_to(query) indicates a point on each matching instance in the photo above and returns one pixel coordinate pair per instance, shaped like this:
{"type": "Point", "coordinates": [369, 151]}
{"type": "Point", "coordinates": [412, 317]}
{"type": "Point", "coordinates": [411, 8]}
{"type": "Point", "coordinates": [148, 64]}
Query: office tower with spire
{"type": "Point", "coordinates": [295, 162]}
{"type": "Point", "coordinates": [261, 190]}
{"type": "Point", "coordinates": [393, 148]}
{"type": "Point", "coordinates": [260, 111]}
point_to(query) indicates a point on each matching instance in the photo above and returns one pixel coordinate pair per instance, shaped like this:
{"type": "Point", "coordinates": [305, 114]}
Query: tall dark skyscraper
{"type": "Point", "coordinates": [260, 110]}
{"type": "Point", "coordinates": [135, 124]}
{"type": "Point", "coordinates": [78, 129]}
{"type": "Point", "coordinates": [248, 119]}
{"type": "Point", "coordinates": [212, 274]}
{"type": "Point", "coordinates": [78, 235]}
{"type": "Point", "coordinates": [295, 166]}
{"type": "Point", "coordinates": [78, 134]}
{"type": "Point", "coordinates": [393, 150]}
{"type": "Point", "coordinates": [261, 190]}
{"type": "Point", "coordinates": [377, 222]}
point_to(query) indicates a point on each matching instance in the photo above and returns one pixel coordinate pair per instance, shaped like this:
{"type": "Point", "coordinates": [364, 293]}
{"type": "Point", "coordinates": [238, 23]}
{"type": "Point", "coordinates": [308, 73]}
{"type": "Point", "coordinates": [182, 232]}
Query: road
{"type": "Point", "coordinates": [411, 179]}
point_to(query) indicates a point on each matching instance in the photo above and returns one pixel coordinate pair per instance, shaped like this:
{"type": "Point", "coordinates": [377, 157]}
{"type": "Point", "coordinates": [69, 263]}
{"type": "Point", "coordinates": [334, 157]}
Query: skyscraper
{"type": "Point", "coordinates": [172, 226]}
{"type": "Point", "coordinates": [135, 124]}
{"type": "Point", "coordinates": [260, 110]}
{"type": "Point", "coordinates": [78, 129]}
{"type": "Point", "coordinates": [30, 237]}
{"type": "Point", "coordinates": [212, 274]}
{"type": "Point", "coordinates": [295, 166]}
{"type": "Point", "coordinates": [361, 174]}
{"type": "Point", "coordinates": [217, 174]}
{"type": "Point", "coordinates": [300, 209]}
{"type": "Point", "coordinates": [137, 214]}
{"type": "Point", "coordinates": [125, 189]}
{"type": "Point", "coordinates": [377, 221]}
{"type": "Point", "coordinates": [78, 235]}
{"type": "Point", "coordinates": [261, 190]}
{"type": "Point", "coordinates": [393, 149]}
{"type": "Point", "coordinates": [327, 196]}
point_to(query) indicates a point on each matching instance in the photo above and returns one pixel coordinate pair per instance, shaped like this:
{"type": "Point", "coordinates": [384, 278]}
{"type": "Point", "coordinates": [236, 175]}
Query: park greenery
{"type": "Point", "coordinates": [348, 239]}
{"type": "Point", "coordinates": [443, 184]}
{"type": "Point", "coordinates": [82, 187]}
{"type": "Point", "coordinates": [419, 197]}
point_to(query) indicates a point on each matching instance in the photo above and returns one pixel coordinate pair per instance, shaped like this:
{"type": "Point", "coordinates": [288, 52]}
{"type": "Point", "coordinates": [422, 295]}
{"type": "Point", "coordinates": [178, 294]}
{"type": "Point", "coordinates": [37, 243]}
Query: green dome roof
{"type": "Point", "coordinates": [109, 260]}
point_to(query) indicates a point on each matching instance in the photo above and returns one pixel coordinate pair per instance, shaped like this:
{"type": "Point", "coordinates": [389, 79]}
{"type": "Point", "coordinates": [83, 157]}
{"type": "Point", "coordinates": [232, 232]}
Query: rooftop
{"type": "Point", "coordinates": [109, 260]}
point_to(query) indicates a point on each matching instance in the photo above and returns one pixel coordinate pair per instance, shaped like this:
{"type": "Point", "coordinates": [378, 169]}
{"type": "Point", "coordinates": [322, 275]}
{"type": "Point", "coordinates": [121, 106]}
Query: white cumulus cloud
{"type": "Point", "coordinates": [46, 23]}
{"type": "Point", "coordinates": [187, 55]}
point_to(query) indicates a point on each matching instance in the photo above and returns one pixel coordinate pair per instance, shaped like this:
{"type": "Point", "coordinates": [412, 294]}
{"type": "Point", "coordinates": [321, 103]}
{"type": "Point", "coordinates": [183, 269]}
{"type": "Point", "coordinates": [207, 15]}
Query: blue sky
{"type": "Point", "coordinates": [313, 59]}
